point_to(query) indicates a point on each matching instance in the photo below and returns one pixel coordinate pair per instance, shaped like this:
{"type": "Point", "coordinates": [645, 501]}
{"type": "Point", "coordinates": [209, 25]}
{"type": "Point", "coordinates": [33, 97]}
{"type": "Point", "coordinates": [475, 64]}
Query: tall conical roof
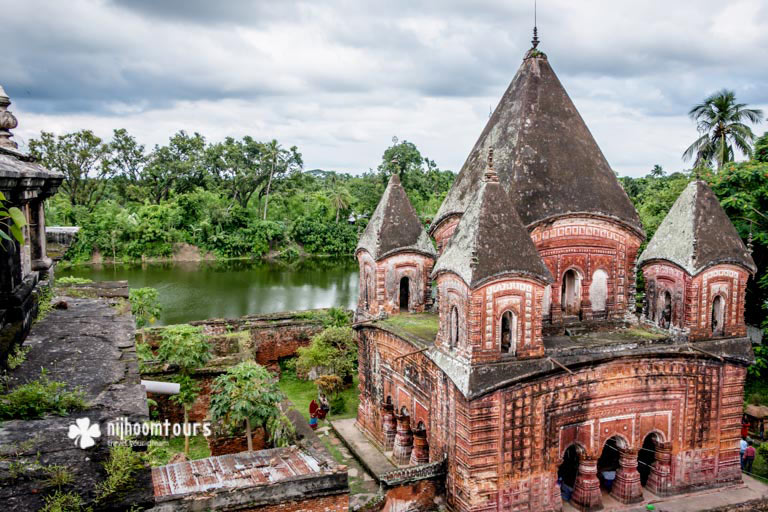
{"type": "Point", "coordinates": [395, 226]}
{"type": "Point", "coordinates": [490, 240]}
{"type": "Point", "coordinates": [545, 155]}
{"type": "Point", "coordinates": [697, 233]}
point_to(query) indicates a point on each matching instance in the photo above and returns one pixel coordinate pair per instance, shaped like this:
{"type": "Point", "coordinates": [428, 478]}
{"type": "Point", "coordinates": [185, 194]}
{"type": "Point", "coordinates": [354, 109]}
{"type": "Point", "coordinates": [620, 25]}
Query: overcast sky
{"type": "Point", "coordinates": [339, 78]}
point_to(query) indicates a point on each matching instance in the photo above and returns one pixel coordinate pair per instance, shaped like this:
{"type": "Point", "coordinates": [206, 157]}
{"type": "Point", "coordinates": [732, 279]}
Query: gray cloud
{"type": "Point", "coordinates": [343, 76]}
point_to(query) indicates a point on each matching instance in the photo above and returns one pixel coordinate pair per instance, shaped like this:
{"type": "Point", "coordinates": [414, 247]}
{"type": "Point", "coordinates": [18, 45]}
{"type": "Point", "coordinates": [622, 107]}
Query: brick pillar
{"type": "Point", "coordinates": [587, 496]}
{"type": "Point", "coordinates": [627, 488]}
{"type": "Point", "coordinates": [660, 479]}
{"type": "Point", "coordinates": [388, 425]}
{"type": "Point", "coordinates": [586, 303]}
{"type": "Point", "coordinates": [556, 316]}
{"type": "Point", "coordinates": [420, 452]}
{"type": "Point", "coordinates": [403, 441]}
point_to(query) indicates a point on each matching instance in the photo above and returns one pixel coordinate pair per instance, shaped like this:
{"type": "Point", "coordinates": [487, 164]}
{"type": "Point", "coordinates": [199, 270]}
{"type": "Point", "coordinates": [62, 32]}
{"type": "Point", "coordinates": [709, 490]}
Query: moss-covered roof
{"type": "Point", "coordinates": [419, 328]}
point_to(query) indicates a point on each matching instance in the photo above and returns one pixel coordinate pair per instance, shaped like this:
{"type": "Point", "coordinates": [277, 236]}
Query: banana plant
{"type": "Point", "coordinates": [11, 219]}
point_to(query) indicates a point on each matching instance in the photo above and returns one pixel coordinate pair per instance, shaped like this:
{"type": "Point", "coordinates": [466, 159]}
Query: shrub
{"type": "Point", "coordinates": [62, 502]}
{"type": "Point", "coordinates": [35, 399]}
{"type": "Point", "coordinates": [338, 404]}
{"type": "Point", "coordinates": [325, 238]}
{"type": "Point", "coordinates": [66, 280]}
{"type": "Point", "coordinates": [122, 463]}
{"type": "Point", "coordinates": [333, 349]}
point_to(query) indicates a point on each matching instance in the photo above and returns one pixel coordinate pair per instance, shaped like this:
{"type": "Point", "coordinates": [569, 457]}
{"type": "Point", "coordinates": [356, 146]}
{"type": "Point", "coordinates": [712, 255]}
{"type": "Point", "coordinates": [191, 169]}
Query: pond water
{"type": "Point", "coordinates": [228, 289]}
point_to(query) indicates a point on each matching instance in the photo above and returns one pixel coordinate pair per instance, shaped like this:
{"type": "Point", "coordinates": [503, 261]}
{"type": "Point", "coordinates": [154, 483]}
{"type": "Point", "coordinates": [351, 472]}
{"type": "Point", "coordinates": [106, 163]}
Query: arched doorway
{"type": "Point", "coordinates": [405, 292]}
{"type": "Point", "coordinates": [568, 471]}
{"type": "Point", "coordinates": [571, 293]}
{"type": "Point", "coordinates": [454, 327]}
{"type": "Point", "coordinates": [608, 463]}
{"type": "Point", "coordinates": [646, 457]}
{"type": "Point", "coordinates": [508, 333]}
{"type": "Point", "coordinates": [598, 291]}
{"type": "Point", "coordinates": [718, 316]}
{"type": "Point", "coordinates": [546, 303]}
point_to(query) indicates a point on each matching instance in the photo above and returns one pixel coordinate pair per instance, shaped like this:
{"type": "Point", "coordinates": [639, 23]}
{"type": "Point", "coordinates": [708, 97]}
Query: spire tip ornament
{"type": "Point", "coordinates": [7, 121]}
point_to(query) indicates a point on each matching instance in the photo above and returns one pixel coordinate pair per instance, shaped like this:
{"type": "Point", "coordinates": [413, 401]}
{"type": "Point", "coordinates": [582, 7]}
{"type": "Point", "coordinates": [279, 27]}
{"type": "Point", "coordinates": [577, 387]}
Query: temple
{"type": "Point", "coordinates": [513, 352]}
{"type": "Point", "coordinates": [24, 267]}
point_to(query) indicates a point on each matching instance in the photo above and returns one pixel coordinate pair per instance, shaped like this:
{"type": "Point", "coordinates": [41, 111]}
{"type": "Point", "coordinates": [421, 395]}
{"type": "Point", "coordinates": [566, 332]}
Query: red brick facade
{"type": "Point", "coordinates": [602, 254]}
{"type": "Point", "coordinates": [504, 449]}
{"type": "Point", "coordinates": [676, 299]}
{"type": "Point", "coordinates": [380, 282]}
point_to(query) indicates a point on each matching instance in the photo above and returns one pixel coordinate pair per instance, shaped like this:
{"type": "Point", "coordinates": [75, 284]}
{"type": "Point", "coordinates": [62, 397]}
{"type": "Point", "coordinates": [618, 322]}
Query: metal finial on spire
{"type": "Point", "coordinates": [750, 246]}
{"type": "Point", "coordinates": [535, 40]}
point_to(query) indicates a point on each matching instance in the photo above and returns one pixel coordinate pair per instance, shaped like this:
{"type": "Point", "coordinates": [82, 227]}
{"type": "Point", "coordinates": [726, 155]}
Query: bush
{"type": "Point", "coordinates": [334, 349]}
{"type": "Point", "coordinates": [65, 280]}
{"type": "Point", "coordinates": [338, 405]}
{"type": "Point", "coordinates": [35, 399]}
{"type": "Point", "coordinates": [325, 238]}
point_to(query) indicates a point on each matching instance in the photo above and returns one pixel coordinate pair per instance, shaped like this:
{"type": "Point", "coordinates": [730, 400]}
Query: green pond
{"type": "Point", "coordinates": [228, 289]}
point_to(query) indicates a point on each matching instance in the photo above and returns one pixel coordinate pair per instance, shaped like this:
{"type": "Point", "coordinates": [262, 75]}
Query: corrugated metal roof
{"type": "Point", "coordinates": [237, 470]}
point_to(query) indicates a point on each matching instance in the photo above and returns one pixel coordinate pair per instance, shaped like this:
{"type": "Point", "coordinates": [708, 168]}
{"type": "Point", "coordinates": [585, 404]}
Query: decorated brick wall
{"type": "Point", "coordinates": [476, 324]}
{"type": "Point", "coordinates": [675, 298]}
{"type": "Point", "coordinates": [510, 443]}
{"type": "Point", "coordinates": [380, 282]}
{"type": "Point", "coordinates": [588, 246]}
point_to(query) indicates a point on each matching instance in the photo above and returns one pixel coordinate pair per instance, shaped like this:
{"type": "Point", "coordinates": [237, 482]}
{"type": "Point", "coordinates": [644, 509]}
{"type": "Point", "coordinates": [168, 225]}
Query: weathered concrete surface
{"type": "Point", "coordinates": [369, 456]}
{"type": "Point", "coordinates": [89, 345]}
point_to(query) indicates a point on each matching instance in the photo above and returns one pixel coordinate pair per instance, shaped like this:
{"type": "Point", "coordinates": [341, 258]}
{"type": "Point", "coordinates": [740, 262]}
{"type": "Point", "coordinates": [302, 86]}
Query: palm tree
{"type": "Point", "coordinates": [720, 121]}
{"type": "Point", "coordinates": [339, 196]}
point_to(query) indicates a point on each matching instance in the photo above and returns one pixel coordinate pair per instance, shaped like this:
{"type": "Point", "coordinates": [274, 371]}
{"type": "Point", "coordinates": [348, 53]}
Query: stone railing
{"type": "Point", "coordinates": [412, 474]}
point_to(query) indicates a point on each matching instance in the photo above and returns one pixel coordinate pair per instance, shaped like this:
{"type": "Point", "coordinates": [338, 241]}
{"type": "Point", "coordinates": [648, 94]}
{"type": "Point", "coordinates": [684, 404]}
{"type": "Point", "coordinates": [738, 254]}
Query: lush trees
{"type": "Point", "coordinates": [333, 352]}
{"type": "Point", "coordinates": [246, 395]}
{"type": "Point", "coordinates": [83, 159]}
{"type": "Point", "coordinates": [721, 124]}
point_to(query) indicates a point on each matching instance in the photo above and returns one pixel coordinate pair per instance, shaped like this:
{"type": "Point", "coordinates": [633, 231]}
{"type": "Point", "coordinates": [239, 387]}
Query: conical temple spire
{"type": "Point", "coordinates": [395, 226]}
{"type": "Point", "coordinates": [490, 240]}
{"type": "Point", "coordinates": [697, 233]}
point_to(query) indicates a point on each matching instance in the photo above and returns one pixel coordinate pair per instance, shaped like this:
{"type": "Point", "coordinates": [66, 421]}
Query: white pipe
{"type": "Point", "coordinates": [161, 388]}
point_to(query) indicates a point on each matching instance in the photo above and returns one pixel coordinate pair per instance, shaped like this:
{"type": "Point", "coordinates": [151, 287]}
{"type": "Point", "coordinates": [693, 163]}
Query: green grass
{"type": "Point", "coordinates": [420, 325]}
{"type": "Point", "coordinates": [302, 392]}
{"type": "Point", "coordinates": [163, 449]}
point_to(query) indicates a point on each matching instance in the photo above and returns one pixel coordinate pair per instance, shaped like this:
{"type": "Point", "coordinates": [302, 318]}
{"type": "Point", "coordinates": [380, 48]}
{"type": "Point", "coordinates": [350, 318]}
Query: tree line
{"type": "Point", "coordinates": [234, 198]}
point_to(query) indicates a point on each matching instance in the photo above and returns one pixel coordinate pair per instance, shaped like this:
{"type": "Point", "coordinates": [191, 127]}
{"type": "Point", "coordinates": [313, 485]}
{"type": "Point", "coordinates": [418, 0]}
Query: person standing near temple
{"type": "Point", "coordinates": [742, 448]}
{"type": "Point", "coordinates": [749, 458]}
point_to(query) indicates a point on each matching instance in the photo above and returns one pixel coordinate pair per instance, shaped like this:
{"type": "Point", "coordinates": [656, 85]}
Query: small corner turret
{"type": "Point", "coordinates": [696, 269]}
{"type": "Point", "coordinates": [395, 256]}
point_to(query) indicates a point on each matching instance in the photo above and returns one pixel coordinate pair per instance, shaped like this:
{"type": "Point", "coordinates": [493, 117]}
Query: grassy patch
{"type": "Point", "coordinates": [645, 334]}
{"type": "Point", "coordinates": [420, 325]}
{"type": "Point", "coordinates": [17, 357]}
{"type": "Point", "coordinates": [302, 392]}
{"type": "Point", "coordinates": [37, 398]}
{"type": "Point", "coordinates": [162, 450]}
{"type": "Point", "coordinates": [123, 462]}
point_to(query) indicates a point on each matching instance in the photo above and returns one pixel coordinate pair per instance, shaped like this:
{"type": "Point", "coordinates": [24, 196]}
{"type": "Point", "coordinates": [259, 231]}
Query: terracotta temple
{"type": "Point", "coordinates": [510, 348]}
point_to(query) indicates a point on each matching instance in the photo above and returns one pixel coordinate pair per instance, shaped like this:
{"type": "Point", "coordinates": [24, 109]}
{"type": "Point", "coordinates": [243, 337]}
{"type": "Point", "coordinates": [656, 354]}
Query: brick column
{"type": "Point", "coordinates": [587, 496]}
{"type": "Point", "coordinates": [403, 441]}
{"type": "Point", "coordinates": [388, 425]}
{"type": "Point", "coordinates": [556, 316]}
{"type": "Point", "coordinates": [420, 452]}
{"type": "Point", "coordinates": [660, 479]}
{"type": "Point", "coordinates": [586, 302]}
{"type": "Point", "coordinates": [627, 488]}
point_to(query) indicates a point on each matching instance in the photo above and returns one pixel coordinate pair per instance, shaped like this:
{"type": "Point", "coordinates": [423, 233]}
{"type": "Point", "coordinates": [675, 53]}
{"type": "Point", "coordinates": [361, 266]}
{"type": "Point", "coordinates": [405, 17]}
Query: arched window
{"type": "Point", "coordinates": [454, 327]}
{"type": "Point", "coordinates": [366, 287]}
{"type": "Point", "coordinates": [598, 290]}
{"type": "Point", "coordinates": [718, 316]}
{"type": "Point", "coordinates": [571, 293]}
{"type": "Point", "coordinates": [508, 333]}
{"type": "Point", "coordinates": [405, 291]}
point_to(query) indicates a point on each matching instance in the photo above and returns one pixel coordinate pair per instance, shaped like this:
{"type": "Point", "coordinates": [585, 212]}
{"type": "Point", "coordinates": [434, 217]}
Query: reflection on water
{"type": "Point", "coordinates": [199, 290]}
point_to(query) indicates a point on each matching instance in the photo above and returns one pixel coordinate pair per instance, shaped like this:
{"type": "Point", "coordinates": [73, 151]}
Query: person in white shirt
{"type": "Point", "coordinates": [742, 448]}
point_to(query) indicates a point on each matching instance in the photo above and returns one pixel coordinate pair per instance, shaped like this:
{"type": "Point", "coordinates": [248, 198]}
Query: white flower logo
{"type": "Point", "coordinates": [84, 433]}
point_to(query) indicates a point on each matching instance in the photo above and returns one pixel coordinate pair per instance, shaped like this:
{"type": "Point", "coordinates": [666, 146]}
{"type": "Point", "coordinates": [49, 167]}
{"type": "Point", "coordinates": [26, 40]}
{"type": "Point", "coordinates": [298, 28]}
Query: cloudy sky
{"type": "Point", "coordinates": [339, 78]}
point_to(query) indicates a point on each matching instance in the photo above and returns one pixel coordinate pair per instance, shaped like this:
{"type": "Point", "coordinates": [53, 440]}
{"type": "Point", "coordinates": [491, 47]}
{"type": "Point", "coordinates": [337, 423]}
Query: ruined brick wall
{"type": "Point", "coordinates": [693, 298]}
{"type": "Point", "coordinates": [334, 503]}
{"type": "Point", "coordinates": [588, 245]}
{"type": "Point", "coordinates": [380, 282]}
{"type": "Point", "coordinates": [509, 444]}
